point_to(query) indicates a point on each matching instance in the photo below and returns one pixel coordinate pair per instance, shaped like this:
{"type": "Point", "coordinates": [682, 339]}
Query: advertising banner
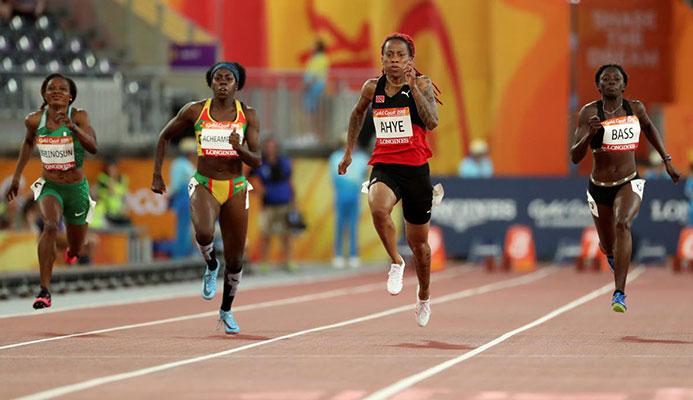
{"type": "Point", "coordinates": [481, 210]}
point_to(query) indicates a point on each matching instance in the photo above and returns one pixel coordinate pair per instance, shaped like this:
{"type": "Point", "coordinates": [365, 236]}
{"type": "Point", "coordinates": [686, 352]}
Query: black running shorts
{"type": "Point", "coordinates": [411, 184]}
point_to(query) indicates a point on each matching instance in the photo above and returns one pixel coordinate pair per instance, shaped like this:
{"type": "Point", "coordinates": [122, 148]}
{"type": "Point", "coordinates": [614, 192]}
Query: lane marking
{"type": "Point", "coordinates": [76, 387]}
{"type": "Point", "coordinates": [272, 303]}
{"type": "Point", "coordinates": [410, 381]}
{"type": "Point", "coordinates": [161, 297]}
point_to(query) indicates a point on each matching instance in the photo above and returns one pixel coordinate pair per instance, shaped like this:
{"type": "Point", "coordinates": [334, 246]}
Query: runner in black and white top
{"type": "Point", "coordinates": [611, 128]}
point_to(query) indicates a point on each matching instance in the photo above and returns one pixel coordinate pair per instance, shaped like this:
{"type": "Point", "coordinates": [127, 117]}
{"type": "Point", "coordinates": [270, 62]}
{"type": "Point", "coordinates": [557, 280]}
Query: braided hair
{"type": "Point", "coordinates": [412, 52]}
{"type": "Point", "coordinates": [70, 82]}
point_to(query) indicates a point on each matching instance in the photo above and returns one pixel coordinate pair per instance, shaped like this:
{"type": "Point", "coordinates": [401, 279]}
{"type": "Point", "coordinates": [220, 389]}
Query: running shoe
{"type": "Point", "coordinates": [423, 310]}
{"type": "Point", "coordinates": [618, 302]}
{"type": "Point", "coordinates": [43, 300]}
{"type": "Point", "coordinates": [610, 260]}
{"type": "Point", "coordinates": [209, 282]}
{"type": "Point", "coordinates": [395, 279]}
{"type": "Point", "coordinates": [230, 325]}
{"type": "Point", "coordinates": [70, 259]}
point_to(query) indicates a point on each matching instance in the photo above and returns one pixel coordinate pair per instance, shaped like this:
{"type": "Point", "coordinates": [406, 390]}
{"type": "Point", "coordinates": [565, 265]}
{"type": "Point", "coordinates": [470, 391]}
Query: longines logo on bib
{"type": "Point", "coordinates": [392, 125]}
{"type": "Point", "coordinates": [621, 134]}
{"type": "Point", "coordinates": [57, 153]}
{"type": "Point", "coordinates": [214, 139]}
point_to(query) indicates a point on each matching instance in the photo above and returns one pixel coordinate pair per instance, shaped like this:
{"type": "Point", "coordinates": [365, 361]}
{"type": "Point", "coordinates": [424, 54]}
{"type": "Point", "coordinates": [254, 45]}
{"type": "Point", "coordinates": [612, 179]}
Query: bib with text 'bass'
{"type": "Point", "coordinates": [621, 134]}
{"type": "Point", "coordinates": [213, 136]}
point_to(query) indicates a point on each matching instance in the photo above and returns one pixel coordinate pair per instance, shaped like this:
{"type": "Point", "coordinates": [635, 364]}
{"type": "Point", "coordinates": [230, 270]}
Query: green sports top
{"type": "Point", "coordinates": [60, 149]}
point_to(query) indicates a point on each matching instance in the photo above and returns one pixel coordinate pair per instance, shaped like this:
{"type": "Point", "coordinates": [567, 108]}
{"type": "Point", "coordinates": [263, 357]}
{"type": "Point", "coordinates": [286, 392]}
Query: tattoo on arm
{"type": "Point", "coordinates": [426, 103]}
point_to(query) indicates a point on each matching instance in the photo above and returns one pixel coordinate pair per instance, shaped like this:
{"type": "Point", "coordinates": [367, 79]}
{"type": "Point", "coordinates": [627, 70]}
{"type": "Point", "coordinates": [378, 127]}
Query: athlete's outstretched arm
{"type": "Point", "coordinates": [79, 124]}
{"type": "Point", "coordinates": [425, 100]}
{"type": "Point", "coordinates": [588, 125]}
{"type": "Point", "coordinates": [185, 118]}
{"type": "Point", "coordinates": [31, 122]}
{"type": "Point", "coordinates": [652, 134]}
{"type": "Point", "coordinates": [356, 122]}
{"type": "Point", "coordinates": [251, 154]}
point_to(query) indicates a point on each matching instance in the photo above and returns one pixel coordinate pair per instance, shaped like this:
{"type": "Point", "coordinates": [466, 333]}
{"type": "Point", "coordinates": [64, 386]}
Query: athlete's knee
{"type": "Point", "coordinates": [623, 224]}
{"type": "Point", "coordinates": [204, 237]}
{"type": "Point", "coordinates": [419, 248]}
{"type": "Point", "coordinates": [380, 213]}
{"type": "Point", "coordinates": [608, 250]}
{"type": "Point", "coordinates": [50, 227]}
{"type": "Point", "coordinates": [234, 264]}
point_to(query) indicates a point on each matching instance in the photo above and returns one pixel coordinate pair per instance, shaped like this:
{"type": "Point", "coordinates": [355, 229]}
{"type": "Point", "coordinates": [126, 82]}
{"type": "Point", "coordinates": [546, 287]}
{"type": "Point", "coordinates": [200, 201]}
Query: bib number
{"type": "Point", "coordinates": [392, 125]}
{"type": "Point", "coordinates": [621, 134]}
{"type": "Point", "coordinates": [215, 141]}
{"type": "Point", "coordinates": [638, 187]}
{"type": "Point", "coordinates": [57, 153]}
{"type": "Point", "coordinates": [37, 187]}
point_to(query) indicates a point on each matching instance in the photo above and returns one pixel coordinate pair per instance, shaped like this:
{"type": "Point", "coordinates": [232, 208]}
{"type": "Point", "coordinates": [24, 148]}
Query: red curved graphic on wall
{"type": "Point", "coordinates": [339, 41]}
{"type": "Point", "coordinates": [426, 17]}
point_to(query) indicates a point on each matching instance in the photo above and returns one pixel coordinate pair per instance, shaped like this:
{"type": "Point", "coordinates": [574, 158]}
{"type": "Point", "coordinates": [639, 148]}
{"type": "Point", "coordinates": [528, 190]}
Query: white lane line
{"type": "Point", "coordinates": [76, 387]}
{"type": "Point", "coordinates": [161, 297]}
{"type": "Point", "coordinates": [280, 302]}
{"type": "Point", "coordinates": [410, 381]}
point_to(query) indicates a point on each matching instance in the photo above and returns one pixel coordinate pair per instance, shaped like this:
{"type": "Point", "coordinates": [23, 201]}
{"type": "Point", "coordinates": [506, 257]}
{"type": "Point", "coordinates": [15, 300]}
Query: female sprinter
{"type": "Point", "coordinates": [611, 127]}
{"type": "Point", "coordinates": [227, 134]}
{"type": "Point", "coordinates": [404, 110]}
{"type": "Point", "coordinates": [62, 134]}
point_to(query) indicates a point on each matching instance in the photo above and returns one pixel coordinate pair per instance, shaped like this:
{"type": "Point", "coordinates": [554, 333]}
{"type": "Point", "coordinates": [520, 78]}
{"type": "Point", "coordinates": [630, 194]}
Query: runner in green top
{"type": "Point", "coordinates": [62, 134]}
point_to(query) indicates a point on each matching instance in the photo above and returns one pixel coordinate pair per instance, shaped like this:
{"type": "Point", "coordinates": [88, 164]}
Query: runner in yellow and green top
{"type": "Point", "coordinates": [227, 133]}
{"type": "Point", "coordinates": [62, 134]}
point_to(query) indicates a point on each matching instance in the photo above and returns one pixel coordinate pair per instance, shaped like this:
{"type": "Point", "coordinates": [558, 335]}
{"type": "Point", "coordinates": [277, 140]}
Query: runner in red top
{"type": "Point", "coordinates": [611, 127]}
{"type": "Point", "coordinates": [404, 110]}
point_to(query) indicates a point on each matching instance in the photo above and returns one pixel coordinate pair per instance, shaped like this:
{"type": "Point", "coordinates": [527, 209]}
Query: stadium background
{"type": "Point", "coordinates": [511, 72]}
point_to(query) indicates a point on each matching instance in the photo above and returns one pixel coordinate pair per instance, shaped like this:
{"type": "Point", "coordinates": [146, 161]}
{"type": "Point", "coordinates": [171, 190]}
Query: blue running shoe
{"type": "Point", "coordinates": [610, 260]}
{"type": "Point", "coordinates": [230, 325]}
{"type": "Point", "coordinates": [618, 302]}
{"type": "Point", "coordinates": [209, 283]}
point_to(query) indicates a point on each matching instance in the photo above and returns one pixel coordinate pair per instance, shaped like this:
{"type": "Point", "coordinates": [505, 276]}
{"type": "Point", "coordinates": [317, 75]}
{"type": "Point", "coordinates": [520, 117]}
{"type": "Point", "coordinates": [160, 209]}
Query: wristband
{"type": "Point", "coordinates": [667, 158]}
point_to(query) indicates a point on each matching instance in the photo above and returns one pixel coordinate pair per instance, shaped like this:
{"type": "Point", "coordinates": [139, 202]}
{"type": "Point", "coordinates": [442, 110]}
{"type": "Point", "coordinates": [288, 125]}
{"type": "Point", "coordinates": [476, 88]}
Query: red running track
{"type": "Point", "coordinates": [546, 335]}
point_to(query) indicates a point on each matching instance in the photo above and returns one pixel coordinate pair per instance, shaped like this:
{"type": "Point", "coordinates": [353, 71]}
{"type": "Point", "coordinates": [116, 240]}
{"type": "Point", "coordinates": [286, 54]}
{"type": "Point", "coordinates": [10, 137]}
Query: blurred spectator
{"type": "Point", "coordinates": [112, 189]}
{"type": "Point", "coordinates": [277, 202]}
{"type": "Point", "coordinates": [477, 164]}
{"type": "Point", "coordinates": [347, 190]}
{"type": "Point", "coordinates": [5, 10]}
{"type": "Point", "coordinates": [5, 219]}
{"type": "Point", "coordinates": [657, 169]}
{"type": "Point", "coordinates": [30, 217]}
{"type": "Point", "coordinates": [688, 190]}
{"type": "Point", "coordinates": [182, 169]}
{"type": "Point", "coordinates": [314, 80]}
{"type": "Point", "coordinates": [29, 9]}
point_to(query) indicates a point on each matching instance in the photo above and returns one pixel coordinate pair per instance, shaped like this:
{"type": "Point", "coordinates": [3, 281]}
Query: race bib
{"type": "Point", "coordinates": [638, 187]}
{"type": "Point", "coordinates": [37, 187]}
{"type": "Point", "coordinates": [214, 140]}
{"type": "Point", "coordinates": [592, 204]}
{"type": "Point", "coordinates": [57, 153]}
{"type": "Point", "coordinates": [392, 125]}
{"type": "Point", "coordinates": [621, 134]}
{"type": "Point", "coordinates": [192, 185]}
